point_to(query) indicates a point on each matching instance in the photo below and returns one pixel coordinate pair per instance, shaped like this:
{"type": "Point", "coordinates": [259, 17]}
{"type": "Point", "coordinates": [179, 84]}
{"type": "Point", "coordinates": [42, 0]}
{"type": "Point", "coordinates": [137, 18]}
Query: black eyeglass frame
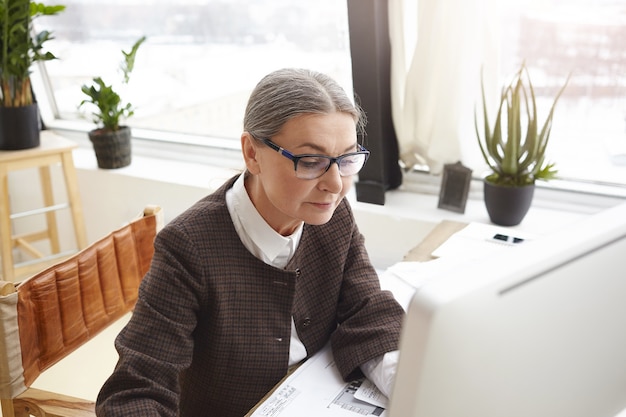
{"type": "Point", "coordinates": [296, 158]}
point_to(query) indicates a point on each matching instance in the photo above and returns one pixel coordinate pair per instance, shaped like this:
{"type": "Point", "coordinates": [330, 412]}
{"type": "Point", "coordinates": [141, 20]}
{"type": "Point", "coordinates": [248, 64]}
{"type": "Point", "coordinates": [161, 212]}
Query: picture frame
{"type": "Point", "coordinates": [455, 184]}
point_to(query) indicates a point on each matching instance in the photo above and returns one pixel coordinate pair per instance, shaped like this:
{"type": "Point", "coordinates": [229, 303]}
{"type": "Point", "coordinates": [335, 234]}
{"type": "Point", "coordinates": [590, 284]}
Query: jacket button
{"type": "Point", "coordinates": [306, 322]}
{"type": "Point", "coordinates": [298, 272]}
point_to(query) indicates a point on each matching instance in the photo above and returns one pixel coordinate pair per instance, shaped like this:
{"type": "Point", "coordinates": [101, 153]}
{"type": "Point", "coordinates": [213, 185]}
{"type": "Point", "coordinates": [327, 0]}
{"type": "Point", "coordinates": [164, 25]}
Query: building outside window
{"type": "Point", "coordinates": [588, 39]}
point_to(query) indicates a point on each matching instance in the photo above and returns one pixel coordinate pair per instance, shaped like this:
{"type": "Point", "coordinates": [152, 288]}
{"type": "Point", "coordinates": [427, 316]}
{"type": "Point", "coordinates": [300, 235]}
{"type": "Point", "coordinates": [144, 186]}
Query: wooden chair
{"type": "Point", "coordinates": [49, 315]}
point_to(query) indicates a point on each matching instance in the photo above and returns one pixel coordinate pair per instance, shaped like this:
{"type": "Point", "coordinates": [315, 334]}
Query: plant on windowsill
{"type": "Point", "coordinates": [111, 139]}
{"type": "Point", "coordinates": [515, 150]}
{"type": "Point", "coordinates": [20, 47]}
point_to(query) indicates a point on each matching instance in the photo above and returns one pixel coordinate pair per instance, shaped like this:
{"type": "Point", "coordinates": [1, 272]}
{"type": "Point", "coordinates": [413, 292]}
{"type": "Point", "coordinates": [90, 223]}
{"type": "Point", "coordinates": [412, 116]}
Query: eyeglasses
{"type": "Point", "coordinates": [311, 166]}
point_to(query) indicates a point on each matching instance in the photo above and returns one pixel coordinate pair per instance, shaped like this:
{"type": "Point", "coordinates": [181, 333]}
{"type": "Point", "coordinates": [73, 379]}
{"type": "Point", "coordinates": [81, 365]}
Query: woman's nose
{"type": "Point", "coordinates": [332, 181]}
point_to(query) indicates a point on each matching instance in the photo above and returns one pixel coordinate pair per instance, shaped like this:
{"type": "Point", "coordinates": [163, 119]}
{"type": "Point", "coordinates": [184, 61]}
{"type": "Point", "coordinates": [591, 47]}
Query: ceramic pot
{"type": "Point", "coordinates": [112, 148]}
{"type": "Point", "coordinates": [19, 127]}
{"type": "Point", "coordinates": [507, 206]}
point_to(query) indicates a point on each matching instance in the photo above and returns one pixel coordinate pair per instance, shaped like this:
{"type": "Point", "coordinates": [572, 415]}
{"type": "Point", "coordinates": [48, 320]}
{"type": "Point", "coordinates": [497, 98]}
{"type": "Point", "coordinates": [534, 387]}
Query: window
{"type": "Point", "coordinates": [588, 39]}
{"type": "Point", "coordinates": [201, 59]}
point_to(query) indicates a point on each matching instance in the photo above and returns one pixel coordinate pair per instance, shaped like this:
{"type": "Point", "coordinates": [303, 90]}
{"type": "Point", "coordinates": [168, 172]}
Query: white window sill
{"type": "Point", "coordinates": [191, 174]}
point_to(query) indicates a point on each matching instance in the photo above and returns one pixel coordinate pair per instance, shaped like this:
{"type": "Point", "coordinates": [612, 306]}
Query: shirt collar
{"type": "Point", "coordinates": [263, 241]}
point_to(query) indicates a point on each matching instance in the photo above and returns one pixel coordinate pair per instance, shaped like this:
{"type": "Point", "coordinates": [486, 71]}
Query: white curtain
{"type": "Point", "coordinates": [437, 50]}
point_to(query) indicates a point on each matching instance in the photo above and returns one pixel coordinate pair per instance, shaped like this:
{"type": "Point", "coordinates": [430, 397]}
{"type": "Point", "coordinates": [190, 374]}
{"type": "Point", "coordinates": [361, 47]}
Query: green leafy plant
{"type": "Point", "coordinates": [516, 155]}
{"type": "Point", "coordinates": [20, 47]}
{"type": "Point", "coordinates": [109, 108]}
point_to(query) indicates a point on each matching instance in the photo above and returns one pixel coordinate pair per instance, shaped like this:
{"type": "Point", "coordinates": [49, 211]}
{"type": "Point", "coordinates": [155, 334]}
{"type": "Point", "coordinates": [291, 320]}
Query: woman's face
{"type": "Point", "coordinates": [281, 198]}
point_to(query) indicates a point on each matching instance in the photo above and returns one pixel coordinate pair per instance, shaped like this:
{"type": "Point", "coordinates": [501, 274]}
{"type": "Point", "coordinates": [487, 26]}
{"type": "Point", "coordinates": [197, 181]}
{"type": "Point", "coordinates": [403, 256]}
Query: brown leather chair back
{"type": "Point", "coordinates": [51, 314]}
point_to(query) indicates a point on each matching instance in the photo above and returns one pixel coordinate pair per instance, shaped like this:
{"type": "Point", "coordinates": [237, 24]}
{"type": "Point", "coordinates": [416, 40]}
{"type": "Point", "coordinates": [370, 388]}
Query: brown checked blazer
{"type": "Point", "coordinates": [210, 333]}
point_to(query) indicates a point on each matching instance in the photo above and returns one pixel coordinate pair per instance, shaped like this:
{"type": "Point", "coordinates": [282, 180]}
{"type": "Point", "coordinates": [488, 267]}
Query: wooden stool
{"type": "Point", "coordinates": [53, 150]}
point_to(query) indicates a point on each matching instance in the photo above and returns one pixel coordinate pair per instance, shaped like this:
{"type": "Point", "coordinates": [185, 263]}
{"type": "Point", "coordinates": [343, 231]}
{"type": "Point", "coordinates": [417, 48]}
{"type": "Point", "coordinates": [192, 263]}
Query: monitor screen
{"type": "Point", "coordinates": [537, 331]}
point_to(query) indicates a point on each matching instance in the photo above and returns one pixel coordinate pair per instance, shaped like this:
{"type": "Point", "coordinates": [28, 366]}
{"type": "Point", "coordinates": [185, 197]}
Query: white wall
{"type": "Point", "coordinates": [110, 198]}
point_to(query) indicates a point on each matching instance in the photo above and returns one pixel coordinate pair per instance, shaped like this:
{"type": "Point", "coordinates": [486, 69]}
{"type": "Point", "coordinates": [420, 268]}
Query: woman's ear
{"type": "Point", "coordinates": [249, 150]}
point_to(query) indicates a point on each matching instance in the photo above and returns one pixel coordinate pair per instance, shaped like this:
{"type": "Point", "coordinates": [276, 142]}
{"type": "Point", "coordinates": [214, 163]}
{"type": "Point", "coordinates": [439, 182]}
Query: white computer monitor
{"type": "Point", "coordinates": [538, 331]}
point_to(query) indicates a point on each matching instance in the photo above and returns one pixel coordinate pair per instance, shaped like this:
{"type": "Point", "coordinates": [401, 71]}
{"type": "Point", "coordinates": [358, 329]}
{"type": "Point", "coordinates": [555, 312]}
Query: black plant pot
{"type": "Point", "coordinates": [507, 206]}
{"type": "Point", "coordinates": [112, 148]}
{"type": "Point", "coordinates": [19, 128]}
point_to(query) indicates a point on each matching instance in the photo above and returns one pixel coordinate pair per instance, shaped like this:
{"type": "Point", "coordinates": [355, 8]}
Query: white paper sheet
{"type": "Point", "coordinates": [316, 389]}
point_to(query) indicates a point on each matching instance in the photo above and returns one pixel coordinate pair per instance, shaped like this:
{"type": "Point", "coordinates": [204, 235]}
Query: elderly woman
{"type": "Point", "coordinates": [261, 274]}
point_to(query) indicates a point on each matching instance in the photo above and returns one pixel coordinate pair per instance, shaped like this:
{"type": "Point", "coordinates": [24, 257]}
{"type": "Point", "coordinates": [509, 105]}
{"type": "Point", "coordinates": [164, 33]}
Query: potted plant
{"type": "Point", "coordinates": [20, 47]}
{"type": "Point", "coordinates": [110, 139]}
{"type": "Point", "coordinates": [515, 150]}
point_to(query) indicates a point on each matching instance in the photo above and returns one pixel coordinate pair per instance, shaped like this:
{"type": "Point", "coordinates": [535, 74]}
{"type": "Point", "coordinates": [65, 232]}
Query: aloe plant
{"type": "Point", "coordinates": [516, 156]}
{"type": "Point", "coordinates": [20, 47]}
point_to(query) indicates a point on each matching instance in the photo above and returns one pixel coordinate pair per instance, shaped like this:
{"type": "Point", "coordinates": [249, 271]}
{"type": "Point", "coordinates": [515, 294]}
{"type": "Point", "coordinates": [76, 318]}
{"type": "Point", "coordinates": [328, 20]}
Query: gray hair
{"type": "Point", "coordinates": [287, 93]}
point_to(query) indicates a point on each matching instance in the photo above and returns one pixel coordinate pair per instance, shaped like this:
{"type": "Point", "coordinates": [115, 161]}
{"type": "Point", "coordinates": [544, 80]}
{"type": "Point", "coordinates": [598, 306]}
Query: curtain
{"type": "Point", "coordinates": [438, 50]}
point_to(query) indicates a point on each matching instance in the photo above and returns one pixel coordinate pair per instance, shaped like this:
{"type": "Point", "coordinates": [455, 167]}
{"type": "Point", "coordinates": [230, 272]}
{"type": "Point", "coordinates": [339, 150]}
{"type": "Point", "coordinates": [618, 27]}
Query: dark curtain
{"type": "Point", "coordinates": [371, 60]}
